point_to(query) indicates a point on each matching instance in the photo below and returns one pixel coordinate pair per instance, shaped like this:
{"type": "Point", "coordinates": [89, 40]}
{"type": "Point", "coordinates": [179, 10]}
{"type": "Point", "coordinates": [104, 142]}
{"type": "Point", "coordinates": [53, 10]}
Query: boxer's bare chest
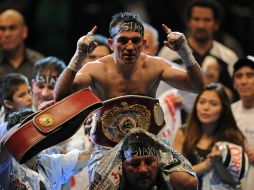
{"type": "Point", "coordinates": [140, 81]}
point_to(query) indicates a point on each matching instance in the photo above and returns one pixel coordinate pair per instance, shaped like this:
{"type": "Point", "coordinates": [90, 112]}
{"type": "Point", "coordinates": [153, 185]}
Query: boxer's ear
{"type": "Point", "coordinates": [110, 43]}
{"type": "Point", "coordinates": [144, 44]}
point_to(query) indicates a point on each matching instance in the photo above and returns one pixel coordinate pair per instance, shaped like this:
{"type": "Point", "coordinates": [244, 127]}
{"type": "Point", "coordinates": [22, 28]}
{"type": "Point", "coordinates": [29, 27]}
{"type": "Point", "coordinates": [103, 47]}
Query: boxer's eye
{"type": "Point", "coordinates": [124, 40]}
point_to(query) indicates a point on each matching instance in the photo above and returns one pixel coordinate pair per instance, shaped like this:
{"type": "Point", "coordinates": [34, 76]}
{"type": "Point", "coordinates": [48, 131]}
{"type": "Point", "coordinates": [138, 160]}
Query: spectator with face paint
{"type": "Point", "coordinates": [45, 74]}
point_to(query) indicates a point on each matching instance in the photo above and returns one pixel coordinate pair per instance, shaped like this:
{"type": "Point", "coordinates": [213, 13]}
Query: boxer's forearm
{"type": "Point", "coordinates": [195, 75]}
{"type": "Point", "coordinates": [195, 78]}
{"type": "Point", "coordinates": [177, 42]}
{"type": "Point", "coordinates": [64, 84]}
{"type": "Point", "coordinates": [76, 61]}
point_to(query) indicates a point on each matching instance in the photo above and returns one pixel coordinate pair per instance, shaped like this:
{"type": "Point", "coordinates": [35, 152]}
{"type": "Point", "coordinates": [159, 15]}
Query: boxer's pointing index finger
{"type": "Point", "coordinates": [166, 29]}
{"type": "Point", "coordinates": [92, 32]}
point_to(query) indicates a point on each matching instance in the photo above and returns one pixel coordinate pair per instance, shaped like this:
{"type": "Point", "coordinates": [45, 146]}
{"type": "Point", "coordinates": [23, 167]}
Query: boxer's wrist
{"type": "Point", "coordinates": [75, 63]}
{"type": "Point", "coordinates": [186, 56]}
{"type": "Point", "coordinates": [73, 68]}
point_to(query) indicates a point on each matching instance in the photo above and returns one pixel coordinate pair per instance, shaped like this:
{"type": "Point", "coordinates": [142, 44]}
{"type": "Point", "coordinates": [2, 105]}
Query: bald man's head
{"type": "Point", "coordinates": [13, 30]}
{"type": "Point", "coordinates": [12, 14]}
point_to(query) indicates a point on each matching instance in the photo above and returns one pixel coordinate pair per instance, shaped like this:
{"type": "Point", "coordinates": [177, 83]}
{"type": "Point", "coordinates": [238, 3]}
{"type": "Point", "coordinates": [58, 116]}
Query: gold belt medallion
{"type": "Point", "coordinates": [46, 120]}
{"type": "Point", "coordinates": [118, 120]}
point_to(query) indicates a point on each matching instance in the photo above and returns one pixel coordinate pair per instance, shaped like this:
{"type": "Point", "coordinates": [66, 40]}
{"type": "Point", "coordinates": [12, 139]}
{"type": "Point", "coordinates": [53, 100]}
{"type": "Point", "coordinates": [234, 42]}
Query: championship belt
{"type": "Point", "coordinates": [118, 115]}
{"type": "Point", "coordinates": [51, 126]}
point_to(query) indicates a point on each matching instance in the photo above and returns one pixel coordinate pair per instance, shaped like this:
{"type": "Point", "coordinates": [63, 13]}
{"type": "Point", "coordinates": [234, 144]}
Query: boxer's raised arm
{"type": "Point", "coordinates": [177, 42]}
{"type": "Point", "coordinates": [65, 83]}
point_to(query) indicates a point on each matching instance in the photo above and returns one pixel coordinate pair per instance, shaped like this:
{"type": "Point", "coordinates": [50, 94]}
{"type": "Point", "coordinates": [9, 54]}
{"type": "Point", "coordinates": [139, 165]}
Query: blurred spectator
{"type": "Point", "coordinates": [211, 126]}
{"type": "Point", "coordinates": [15, 93]}
{"type": "Point", "coordinates": [243, 110]}
{"type": "Point", "coordinates": [211, 69]}
{"type": "Point", "coordinates": [14, 55]}
{"type": "Point", "coordinates": [151, 36]}
{"type": "Point", "coordinates": [203, 21]}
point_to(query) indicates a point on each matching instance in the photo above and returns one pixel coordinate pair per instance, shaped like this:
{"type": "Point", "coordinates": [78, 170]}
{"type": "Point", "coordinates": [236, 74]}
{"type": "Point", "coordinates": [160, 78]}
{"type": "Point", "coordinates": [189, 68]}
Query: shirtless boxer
{"type": "Point", "coordinates": [127, 70]}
